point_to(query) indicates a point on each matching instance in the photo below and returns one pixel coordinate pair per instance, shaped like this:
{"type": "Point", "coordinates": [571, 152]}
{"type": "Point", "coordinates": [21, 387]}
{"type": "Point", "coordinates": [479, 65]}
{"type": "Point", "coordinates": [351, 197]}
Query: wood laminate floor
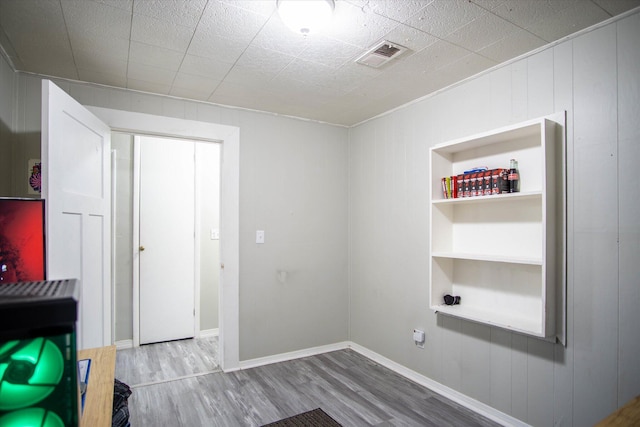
{"type": "Point", "coordinates": [349, 387]}
{"type": "Point", "coordinates": [167, 361]}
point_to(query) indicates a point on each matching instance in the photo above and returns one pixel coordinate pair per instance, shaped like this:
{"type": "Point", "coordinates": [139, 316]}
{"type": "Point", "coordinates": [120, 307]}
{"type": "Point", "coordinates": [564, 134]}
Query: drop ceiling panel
{"type": "Point", "coordinates": [265, 60]}
{"type": "Point", "coordinates": [306, 93]}
{"type": "Point", "coordinates": [249, 77]}
{"type": "Point", "coordinates": [205, 67]}
{"type": "Point", "coordinates": [616, 7]}
{"type": "Point", "coordinates": [160, 33]}
{"type": "Point", "coordinates": [241, 96]}
{"type": "Point", "coordinates": [442, 17]}
{"type": "Point", "coordinates": [148, 86]}
{"type": "Point", "coordinates": [193, 82]}
{"type": "Point", "coordinates": [103, 77]}
{"type": "Point", "coordinates": [568, 20]}
{"type": "Point", "coordinates": [219, 48]}
{"type": "Point", "coordinates": [27, 23]}
{"type": "Point", "coordinates": [262, 7]}
{"type": "Point", "coordinates": [528, 14]}
{"type": "Point", "coordinates": [306, 72]}
{"type": "Point", "coordinates": [518, 43]}
{"type": "Point", "coordinates": [155, 56]}
{"type": "Point", "coordinates": [53, 62]}
{"type": "Point", "coordinates": [103, 63]}
{"type": "Point", "coordinates": [483, 31]}
{"type": "Point", "coordinates": [466, 66]}
{"type": "Point", "coordinates": [195, 94]}
{"type": "Point", "coordinates": [96, 19]}
{"type": "Point", "coordinates": [238, 52]}
{"type": "Point", "coordinates": [225, 20]}
{"type": "Point", "coordinates": [275, 36]}
{"type": "Point", "coordinates": [435, 57]}
{"type": "Point", "coordinates": [358, 27]}
{"type": "Point", "coordinates": [120, 4]}
{"type": "Point", "coordinates": [411, 38]}
{"type": "Point", "coordinates": [348, 77]}
{"type": "Point", "coordinates": [109, 47]}
{"type": "Point", "coordinates": [151, 74]}
{"type": "Point", "coordinates": [398, 11]}
{"type": "Point", "coordinates": [185, 13]}
{"type": "Point", "coordinates": [329, 52]}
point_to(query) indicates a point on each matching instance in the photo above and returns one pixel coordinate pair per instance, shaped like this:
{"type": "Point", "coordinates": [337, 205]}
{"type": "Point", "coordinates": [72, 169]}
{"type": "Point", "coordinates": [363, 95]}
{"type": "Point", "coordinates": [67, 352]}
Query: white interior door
{"type": "Point", "coordinates": [76, 183]}
{"type": "Point", "coordinates": [167, 239]}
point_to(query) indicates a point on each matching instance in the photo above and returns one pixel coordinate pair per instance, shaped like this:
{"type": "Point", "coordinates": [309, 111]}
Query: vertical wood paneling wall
{"type": "Point", "coordinates": [595, 78]}
{"type": "Point", "coordinates": [628, 206]}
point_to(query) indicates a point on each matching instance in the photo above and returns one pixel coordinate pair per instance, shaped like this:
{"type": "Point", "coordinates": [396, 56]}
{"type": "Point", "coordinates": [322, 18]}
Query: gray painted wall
{"type": "Point", "coordinates": [293, 185]}
{"type": "Point", "coordinates": [7, 88]}
{"type": "Point", "coordinates": [209, 176]}
{"type": "Point", "coordinates": [19, 140]}
{"type": "Point", "coordinates": [595, 77]}
{"type": "Point", "coordinates": [122, 274]}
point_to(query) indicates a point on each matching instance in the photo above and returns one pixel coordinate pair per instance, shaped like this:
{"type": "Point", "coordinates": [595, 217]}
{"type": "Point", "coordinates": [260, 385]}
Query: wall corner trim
{"type": "Point", "coordinates": [298, 354]}
{"type": "Point", "coordinates": [209, 333]}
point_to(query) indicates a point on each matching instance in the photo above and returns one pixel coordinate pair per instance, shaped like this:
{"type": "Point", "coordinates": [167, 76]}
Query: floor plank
{"type": "Point", "coordinates": [167, 361]}
{"type": "Point", "coordinates": [351, 388]}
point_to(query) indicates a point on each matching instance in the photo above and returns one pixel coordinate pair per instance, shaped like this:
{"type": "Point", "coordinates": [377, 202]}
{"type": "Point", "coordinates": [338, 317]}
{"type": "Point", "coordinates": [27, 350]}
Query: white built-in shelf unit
{"type": "Point", "coordinates": [503, 255]}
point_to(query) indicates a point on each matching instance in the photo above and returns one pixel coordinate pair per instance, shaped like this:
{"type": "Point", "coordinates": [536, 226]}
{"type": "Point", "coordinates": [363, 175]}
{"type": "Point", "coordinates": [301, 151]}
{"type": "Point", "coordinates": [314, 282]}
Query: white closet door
{"type": "Point", "coordinates": [167, 239]}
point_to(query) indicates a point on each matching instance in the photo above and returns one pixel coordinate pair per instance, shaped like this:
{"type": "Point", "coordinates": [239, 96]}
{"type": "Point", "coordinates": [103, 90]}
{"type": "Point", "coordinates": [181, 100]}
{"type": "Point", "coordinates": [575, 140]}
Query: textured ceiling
{"type": "Point", "coordinates": [239, 53]}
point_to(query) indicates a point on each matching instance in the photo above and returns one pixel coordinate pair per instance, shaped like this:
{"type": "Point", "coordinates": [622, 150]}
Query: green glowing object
{"type": "Point", "coordinates": [32, 417]}
{"type": "Point", "coordinates": [29, 374]}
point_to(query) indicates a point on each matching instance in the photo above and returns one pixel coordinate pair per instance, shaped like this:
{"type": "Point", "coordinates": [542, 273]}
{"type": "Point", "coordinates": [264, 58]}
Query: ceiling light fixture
{"type": "Point", "coordinates": [305, 16]}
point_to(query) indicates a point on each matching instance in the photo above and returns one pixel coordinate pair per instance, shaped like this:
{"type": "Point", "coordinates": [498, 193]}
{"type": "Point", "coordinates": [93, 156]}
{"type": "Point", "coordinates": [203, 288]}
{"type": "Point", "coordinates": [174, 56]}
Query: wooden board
{"type": "Point", "coordinates": [628, 415]}
{"type": "Point", "coordinates": [98, 406]}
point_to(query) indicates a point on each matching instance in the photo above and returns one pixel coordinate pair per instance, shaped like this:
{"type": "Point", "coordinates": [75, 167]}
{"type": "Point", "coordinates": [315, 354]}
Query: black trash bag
{"type": "Point", "coordinates": [120, 415]}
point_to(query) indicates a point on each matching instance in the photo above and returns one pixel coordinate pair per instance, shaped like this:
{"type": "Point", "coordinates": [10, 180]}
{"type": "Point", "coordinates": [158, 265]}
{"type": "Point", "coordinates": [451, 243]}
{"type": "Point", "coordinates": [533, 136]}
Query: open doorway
{"type": "Point", "coordinates": [137, 223]}
{"type": "Point", "coordinates": [229, 138]}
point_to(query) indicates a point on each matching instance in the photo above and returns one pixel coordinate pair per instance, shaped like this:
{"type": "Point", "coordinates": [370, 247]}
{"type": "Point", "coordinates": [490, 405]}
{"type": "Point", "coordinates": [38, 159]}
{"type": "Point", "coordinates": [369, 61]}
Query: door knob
{"type": "Point", "coordinates": [141, 248]}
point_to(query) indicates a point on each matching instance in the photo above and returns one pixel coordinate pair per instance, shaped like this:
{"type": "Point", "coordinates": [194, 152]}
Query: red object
{"type": "Point", "coordinates": [487, 183]}
{"type": "Point", "coordinates": [467, 185]}
{"type": "Point", "coordinates": [22, 240]}
{"type": "Point", "coordinates": [454, 187]}
{"type": "Point", "coordinates": [460, 186]}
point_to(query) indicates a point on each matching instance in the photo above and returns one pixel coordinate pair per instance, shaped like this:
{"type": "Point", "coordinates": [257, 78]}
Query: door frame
{"type": "Point", "coordinates": [229, 138]}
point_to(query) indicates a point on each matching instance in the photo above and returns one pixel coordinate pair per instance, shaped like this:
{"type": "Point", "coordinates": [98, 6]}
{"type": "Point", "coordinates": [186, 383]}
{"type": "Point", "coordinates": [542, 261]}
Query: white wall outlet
{"type": "Point", "coordinates": [418, 337]}
{"type": "Point", "coordinates": [260, 236]}
{"type": "Point", "coordinates": [215, 234]}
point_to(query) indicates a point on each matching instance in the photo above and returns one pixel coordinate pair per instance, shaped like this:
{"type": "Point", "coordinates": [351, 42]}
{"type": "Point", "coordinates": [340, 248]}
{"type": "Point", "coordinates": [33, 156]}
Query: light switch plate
{"type": "Point", "coordinates": [215, 234]}
{"type": "Point", "coordinates": [260, 236]}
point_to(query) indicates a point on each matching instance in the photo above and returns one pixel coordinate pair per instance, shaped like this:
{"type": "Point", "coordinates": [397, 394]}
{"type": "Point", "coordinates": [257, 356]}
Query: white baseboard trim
{"type": "Point", "coordinates": [209, 333]}
{"type": "Point", "coordinates": [283, 357]}
{"type": "Point", "coordinates": [123, 344]}
{"type": "Point", "coordinates": [462, 399]}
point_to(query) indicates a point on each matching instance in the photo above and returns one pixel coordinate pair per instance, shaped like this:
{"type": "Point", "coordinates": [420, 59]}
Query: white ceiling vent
{"type": "Point", "coordinates": [380, 54]}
